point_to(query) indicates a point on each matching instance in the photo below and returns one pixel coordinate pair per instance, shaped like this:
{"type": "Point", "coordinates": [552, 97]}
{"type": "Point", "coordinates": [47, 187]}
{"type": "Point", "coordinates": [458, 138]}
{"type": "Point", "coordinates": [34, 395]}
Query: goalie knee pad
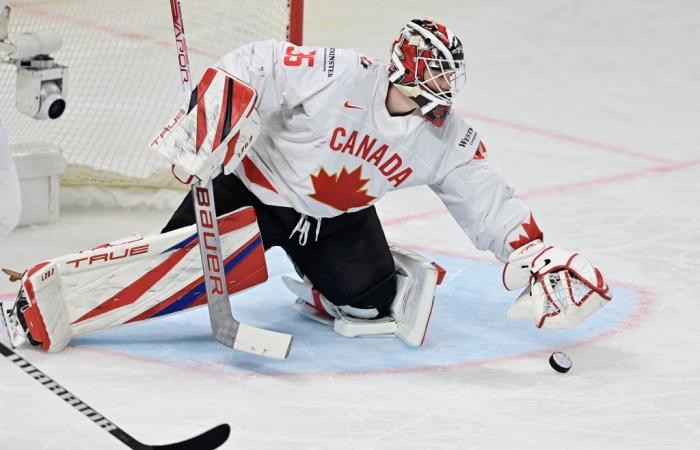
{"type": "Point", "coordinates": [408, 316]}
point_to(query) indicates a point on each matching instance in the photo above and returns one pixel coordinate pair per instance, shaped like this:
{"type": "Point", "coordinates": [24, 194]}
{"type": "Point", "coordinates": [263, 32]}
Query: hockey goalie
{"type": "Point", "coordinates": [320, 135]}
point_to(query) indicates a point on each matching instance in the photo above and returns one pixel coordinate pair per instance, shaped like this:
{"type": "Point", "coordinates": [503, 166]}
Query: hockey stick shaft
{"type": "Point", "coordinates": [181, 45]}
{"type": "Point", "coordinates": [225, 327]}
{"type": "Point", "coordinates": [211, 439]}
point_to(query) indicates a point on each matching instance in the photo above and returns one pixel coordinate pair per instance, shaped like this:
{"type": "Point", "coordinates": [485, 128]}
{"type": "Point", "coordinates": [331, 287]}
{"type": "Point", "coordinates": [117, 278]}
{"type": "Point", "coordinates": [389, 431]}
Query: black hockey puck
{"type": "Point", "coordinates": [560, 362]}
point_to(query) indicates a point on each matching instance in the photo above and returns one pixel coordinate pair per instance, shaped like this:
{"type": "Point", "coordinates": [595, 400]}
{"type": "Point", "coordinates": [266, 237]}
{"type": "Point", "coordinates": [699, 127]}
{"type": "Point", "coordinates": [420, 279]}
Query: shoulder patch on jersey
{"type": "Point", "coordinates": [329, 61]}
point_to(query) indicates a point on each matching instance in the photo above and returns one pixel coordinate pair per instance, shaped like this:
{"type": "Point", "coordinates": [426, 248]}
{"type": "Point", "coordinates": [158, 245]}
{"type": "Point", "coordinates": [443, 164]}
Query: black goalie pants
{"type": "Point", "coordinates": [350, 262]}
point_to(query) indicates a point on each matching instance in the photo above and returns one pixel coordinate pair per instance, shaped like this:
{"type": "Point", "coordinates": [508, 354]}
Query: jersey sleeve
{"type": "Point", "coordinates": [285, 75]}
{"type": "Point", "coordinates": [484, 206]}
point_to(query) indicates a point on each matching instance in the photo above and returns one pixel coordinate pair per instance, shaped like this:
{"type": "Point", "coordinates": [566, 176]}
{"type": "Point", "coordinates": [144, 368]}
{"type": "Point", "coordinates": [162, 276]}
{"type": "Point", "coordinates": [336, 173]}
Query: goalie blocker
{"type": "Point", "coordinates": [213, 131]}
{"type": "Point", "coordinates": [130, 280]}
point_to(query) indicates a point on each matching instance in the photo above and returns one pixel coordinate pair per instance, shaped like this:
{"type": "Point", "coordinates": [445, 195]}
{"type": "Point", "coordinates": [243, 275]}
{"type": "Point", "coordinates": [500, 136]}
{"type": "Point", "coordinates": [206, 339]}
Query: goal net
{"type": "Point", "coordinates": [123, 80]}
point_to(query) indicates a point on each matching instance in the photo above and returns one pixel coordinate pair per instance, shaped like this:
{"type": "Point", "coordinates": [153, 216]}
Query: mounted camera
{"type": "Point", "coordinates": [40, 88]}
{"type": "Point", "coordinates": [41, 82]}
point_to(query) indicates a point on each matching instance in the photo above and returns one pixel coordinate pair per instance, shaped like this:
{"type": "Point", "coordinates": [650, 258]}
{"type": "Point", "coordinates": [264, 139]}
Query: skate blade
{"type": "Point", "coordinates": [14, 331]}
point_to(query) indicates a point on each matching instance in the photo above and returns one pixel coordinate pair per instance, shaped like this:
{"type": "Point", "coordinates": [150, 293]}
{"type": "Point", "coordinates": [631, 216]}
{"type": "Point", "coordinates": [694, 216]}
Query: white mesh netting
{"type": "Point", "coordinates": [564, 291]}
{"type": "Point", "coordinates": [123, 82]}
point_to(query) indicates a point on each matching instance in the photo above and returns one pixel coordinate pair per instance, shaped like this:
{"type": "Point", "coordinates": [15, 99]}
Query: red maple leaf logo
{"type": "Point", "coordinates": [532, 233]}
{"type": "Point", "coordinates": [341, 191]}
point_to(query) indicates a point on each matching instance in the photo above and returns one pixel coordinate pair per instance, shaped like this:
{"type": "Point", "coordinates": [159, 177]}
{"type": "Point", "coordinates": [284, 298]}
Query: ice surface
{"type": "Point", "coordinates": [590, 110]}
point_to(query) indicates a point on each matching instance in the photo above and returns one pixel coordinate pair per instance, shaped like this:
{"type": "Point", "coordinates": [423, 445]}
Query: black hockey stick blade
{"type": "Point", "coordinates": [208, 440]}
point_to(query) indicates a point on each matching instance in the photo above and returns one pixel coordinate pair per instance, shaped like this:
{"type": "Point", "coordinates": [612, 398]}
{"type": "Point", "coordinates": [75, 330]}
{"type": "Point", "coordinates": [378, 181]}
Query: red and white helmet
{"type": "Point", "coordinates": [427, 65]}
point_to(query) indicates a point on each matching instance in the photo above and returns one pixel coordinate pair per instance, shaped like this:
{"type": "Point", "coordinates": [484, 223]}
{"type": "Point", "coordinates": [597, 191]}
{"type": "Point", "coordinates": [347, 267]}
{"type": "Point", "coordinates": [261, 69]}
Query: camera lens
{"type": "Point", "coordinates": [56, 108]}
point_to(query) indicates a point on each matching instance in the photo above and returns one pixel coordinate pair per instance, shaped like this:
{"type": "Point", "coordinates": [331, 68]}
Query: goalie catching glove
{"type": "Point", "coordinates": [213, 131]}
{"type": "Point", "coordinates": [562, 288]}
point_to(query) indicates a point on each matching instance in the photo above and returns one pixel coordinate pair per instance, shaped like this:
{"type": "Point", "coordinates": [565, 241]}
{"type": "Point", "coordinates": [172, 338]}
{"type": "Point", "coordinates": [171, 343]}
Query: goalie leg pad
{"type": "Point", "coordinates": [46, 317]}
{"type": "Point", "coordinates": [417, 281]}
{"type": "Point", "coordinates": [416, 285]}
{"type": "Point", "coordinates": [136, 279]}
{"type": "Point", "coordinates": [345, 320]}
{"type": "Point", "coordinates": [12, 315]}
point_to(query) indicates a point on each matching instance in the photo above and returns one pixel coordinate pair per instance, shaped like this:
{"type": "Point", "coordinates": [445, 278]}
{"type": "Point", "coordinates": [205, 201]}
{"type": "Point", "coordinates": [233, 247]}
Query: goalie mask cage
{"type": "Point", "coordinates": [123, 80]}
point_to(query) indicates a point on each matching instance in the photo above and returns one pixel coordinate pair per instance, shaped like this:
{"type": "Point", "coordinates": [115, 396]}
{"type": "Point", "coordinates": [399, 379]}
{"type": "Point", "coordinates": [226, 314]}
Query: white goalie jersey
{"type": "Point", "coordinates": [328, 145]}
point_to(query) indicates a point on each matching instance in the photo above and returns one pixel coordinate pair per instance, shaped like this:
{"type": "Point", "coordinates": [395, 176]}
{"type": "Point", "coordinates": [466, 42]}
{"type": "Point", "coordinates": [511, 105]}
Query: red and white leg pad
{"type": "Point", "coordinates": [417, 281]}
{"type": "Point", "coordinates": [135, 279]}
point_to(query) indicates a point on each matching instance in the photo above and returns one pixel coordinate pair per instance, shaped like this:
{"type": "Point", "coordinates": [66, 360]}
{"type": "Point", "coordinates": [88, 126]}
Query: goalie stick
{"type": "Point", "coordinates": [210, 439]}
{"type": "Point", "coordinates": [225, 327]}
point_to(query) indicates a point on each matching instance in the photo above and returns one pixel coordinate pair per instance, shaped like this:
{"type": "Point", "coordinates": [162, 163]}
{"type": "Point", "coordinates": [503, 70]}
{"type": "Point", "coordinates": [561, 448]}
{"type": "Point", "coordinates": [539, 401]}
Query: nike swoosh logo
{"type": "Point", "coordinates": [351, 106]}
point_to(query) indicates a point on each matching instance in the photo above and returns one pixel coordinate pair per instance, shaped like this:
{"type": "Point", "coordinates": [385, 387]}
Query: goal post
{"type": "Point", "coordinates": [123, 83]}
{"type": "Point", "coordinates": [295, 32]}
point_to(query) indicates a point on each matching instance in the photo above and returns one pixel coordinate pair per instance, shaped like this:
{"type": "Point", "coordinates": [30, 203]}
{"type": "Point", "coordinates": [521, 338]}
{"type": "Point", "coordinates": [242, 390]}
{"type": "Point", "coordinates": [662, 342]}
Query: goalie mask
{"type": "Point", "coordinates": [427, 65]}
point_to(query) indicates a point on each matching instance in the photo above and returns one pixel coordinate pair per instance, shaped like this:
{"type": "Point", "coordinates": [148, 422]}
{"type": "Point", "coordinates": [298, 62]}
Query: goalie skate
{"type": "Point", "coordinates": [11, 314]}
